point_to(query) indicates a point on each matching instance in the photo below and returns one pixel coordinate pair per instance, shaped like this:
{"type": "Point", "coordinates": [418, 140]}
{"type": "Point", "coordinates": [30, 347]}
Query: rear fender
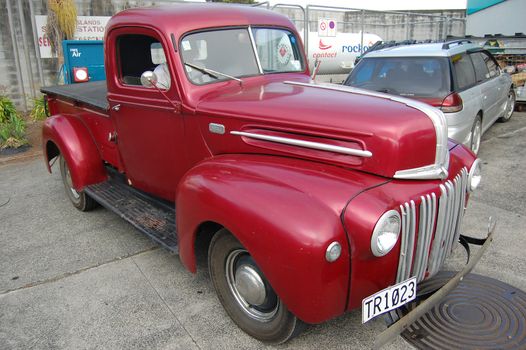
{"type": "Point", "coordinates": [71, 138]}
{"type": "Point", "coordinates": [286, 213]}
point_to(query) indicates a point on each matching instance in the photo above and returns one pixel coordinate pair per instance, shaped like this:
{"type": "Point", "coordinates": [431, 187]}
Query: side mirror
{"type": "Point", "coordinates": [148, 79]}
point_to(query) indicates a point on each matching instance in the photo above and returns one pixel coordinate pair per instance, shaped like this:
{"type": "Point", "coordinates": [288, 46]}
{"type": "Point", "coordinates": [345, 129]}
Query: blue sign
{"type": "Point", "coordinates": [87, 54]}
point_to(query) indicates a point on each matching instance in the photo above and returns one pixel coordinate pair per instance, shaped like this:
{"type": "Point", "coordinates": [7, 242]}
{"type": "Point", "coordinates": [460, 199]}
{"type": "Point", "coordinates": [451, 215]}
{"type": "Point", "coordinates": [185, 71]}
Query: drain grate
{"type": "Point", "coordinates": [481, 313]}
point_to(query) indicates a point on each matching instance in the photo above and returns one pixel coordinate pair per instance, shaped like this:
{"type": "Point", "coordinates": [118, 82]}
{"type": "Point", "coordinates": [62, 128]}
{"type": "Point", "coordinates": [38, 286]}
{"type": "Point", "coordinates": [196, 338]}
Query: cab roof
{"type": "Point", "coordinates": [181, 18]}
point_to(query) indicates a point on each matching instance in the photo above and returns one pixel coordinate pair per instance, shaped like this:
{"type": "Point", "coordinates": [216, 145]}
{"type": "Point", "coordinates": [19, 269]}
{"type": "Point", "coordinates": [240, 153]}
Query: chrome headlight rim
{"type": "Point", "coordinates": [378, 230]}
{"type": "Point", "coordinates": [476, 166]}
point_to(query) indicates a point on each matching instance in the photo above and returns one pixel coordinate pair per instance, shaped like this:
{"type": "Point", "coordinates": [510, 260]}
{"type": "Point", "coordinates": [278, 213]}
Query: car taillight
{"type": "Point", "coordinates": [80, 74]}
{"type": "Point", "coordinates": [452, 103]}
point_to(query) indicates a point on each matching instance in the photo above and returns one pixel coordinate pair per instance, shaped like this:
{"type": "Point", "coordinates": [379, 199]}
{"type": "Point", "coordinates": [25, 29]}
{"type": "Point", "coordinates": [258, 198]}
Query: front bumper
{"type": "Point", "coordinates": [398, 327]}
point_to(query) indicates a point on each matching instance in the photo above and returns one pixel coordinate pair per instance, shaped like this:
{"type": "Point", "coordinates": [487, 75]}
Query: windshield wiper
{"type": "Point", "coordinates": [388, 91]}
{"type": "Point", "coordinates": [212, 73]}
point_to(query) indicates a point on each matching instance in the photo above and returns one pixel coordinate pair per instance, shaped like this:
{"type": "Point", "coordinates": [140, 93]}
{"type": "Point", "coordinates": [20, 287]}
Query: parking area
{"type": "Point", "coordinates": [72, 280]}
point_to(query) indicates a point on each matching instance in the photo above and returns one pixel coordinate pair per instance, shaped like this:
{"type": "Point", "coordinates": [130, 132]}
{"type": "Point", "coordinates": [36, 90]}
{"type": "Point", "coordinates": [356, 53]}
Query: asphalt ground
{"type": "Point", "coordinates": [72, 280]}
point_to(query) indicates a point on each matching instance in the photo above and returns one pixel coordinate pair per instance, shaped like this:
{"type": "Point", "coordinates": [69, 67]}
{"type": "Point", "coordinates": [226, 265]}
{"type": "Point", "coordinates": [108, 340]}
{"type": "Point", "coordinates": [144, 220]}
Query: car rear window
{"type": "Point", "coordinates": [404, 76]}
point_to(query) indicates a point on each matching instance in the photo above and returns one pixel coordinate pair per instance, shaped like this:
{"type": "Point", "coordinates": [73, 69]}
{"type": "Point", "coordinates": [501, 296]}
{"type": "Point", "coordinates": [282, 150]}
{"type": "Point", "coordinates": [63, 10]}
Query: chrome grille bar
{"type": "Point", "coordinates": [408, 231]}
{"type": "Point", "coordinates": [440, 234]}
{"type": "Point", "coordinates": [441, 216]}
{"type": "Point", "coordinates": [425, 233]}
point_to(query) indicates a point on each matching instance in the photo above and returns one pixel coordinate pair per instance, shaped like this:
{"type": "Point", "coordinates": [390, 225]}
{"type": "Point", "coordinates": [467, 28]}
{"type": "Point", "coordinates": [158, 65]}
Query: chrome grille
{"type": "Point", "coordinates": [439, 221]}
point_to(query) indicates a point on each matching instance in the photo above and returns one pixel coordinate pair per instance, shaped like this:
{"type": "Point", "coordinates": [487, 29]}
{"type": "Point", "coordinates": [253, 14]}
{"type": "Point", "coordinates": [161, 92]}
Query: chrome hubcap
{"type": "Point", "coordinates": [74, 192]}
{"type": "Point", "coordinates": [248, 286]}
{"type": "Point", "coordinates": [510, 106]}
{"type": "Point", "coordinates": [475, 138]}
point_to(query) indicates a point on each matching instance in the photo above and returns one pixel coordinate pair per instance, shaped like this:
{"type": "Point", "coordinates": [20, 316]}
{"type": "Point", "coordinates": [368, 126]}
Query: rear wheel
{"type": "Point", "coordinates": [80, 200]}
{"type": "Point", "coordinates": [510, 107]}
{"type": "Point", "coordinates": [476, 134]}
{"type": "Point", "coordinates": [246, 294]}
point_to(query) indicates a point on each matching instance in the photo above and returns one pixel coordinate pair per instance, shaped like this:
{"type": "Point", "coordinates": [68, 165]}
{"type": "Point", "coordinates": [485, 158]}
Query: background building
{"type": "Point", "coordinates": [505, 17]}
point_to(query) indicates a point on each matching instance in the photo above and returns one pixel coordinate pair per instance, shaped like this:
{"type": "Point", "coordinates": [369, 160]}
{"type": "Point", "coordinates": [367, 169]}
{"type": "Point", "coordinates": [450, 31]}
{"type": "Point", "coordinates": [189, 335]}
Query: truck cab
{"type": "Point", "coordinates": [210, 134]}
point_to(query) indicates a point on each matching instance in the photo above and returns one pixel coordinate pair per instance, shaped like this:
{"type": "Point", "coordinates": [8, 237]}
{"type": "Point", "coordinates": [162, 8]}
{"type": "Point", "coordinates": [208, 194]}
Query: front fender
{"type": "Point", "coordinates": [75, 144]}
{"type": "Point", "coordinates": [285, 212]}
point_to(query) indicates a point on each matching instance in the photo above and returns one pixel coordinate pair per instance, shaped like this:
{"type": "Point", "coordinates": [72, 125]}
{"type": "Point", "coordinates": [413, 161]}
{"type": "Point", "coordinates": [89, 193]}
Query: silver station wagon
{"type": "Point", "coordinates": [460, 78]}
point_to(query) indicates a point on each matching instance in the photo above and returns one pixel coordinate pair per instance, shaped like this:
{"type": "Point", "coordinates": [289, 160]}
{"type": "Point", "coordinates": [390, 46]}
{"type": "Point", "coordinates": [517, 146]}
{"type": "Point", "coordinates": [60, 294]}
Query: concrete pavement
{"type": "Point", "coordinates": [72, 280]}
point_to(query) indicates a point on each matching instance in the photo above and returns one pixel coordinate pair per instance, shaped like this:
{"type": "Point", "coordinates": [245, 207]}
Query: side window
{"type": "Point", "coordinates": [137, 54]}
{"type": "Point", "coordinates": [363, 74]}
{"type": "Point", "coordinates": [492, 66]}
{"type": "Point", "coordinates": [464, 71]}
{"type": "Point", "coordinates": [481, 70]}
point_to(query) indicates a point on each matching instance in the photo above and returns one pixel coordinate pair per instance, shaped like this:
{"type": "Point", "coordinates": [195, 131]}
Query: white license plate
{"type": "Point", "coordinates": [388, 299]}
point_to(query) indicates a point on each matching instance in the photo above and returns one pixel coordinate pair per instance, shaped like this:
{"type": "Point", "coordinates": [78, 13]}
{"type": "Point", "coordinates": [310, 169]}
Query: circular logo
{"type": "Point", "coordinates": [332, 24]}
{"type": "Point", "coordinates": [323, 25]}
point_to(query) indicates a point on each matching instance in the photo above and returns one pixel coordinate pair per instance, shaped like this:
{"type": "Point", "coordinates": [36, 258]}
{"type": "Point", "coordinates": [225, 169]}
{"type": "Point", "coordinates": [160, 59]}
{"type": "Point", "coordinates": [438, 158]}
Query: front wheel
{"type": "Point", "coordinates": [245, 293]}
{"type": "Point", "coordinates": [510, 107]}
{"type": "Point", "coordinates": [80, 200]}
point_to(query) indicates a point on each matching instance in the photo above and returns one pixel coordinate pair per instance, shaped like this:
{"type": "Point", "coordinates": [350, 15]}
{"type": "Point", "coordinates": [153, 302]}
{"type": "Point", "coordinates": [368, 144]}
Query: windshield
{"type": "Point", "coordinates": [405, 76]}
{"type": "Point", "coordinates": [230, 52]}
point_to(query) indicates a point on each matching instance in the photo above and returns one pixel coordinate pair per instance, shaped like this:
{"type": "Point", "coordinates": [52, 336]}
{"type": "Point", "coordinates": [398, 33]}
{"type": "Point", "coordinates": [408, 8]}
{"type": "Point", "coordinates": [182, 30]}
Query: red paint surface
{"type": "Point", "coordinates": [285, 204]}
{"type": "Point", "coordinates": [76, 145]}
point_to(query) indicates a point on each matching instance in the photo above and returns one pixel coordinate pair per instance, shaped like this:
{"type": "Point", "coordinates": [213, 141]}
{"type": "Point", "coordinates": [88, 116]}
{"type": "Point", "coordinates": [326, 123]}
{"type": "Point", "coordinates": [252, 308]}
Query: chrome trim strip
{"type": "Point", "coordinates": [463, 191]}
{"type": "Point", "coordinates": [421, 240]}
{"type": "Point", "coordinates": [306, 144]}
{"type": "Point", "coordinates": [405, 262]}
{"type": "Point", "coordinates": [450, 218]}
{"type": "Point", "coordinates": [254, 47]}
{"type": "Point", "coordinates": [435, 257]}
{"type": "Point", "coordinates": [412, 236]}
{"type": "Point", "coordinates": [403, 246]}
{"type": "Point", "coordinates": [438, 170]}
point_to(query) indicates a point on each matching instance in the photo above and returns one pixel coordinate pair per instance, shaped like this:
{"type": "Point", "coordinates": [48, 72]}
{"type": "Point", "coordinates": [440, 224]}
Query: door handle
{"type": "Point", "coordinates": [116, 108]}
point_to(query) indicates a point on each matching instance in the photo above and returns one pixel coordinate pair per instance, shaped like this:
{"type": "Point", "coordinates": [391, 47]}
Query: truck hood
{"type": "Point", "coordinates": [376, 133]}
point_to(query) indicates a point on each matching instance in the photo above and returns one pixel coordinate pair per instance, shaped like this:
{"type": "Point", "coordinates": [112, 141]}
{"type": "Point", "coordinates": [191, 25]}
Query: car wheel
{"type": "Point", "coordinates": [476, 134]}
{"type": "Point", "coordinates": [80, 200]}
{"type": "Point", "coordinates": [510, 107]}
{"type": "Point", "coordinates": [245, 293]}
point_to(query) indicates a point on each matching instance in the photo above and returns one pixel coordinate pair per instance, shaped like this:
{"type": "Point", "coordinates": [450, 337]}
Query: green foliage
{"type": "Point", "coordinates": [7, 109]}
{"type": "Point", "coordinates": [39, 109]}
{"type": "Point", "coordinates": [12, 126]}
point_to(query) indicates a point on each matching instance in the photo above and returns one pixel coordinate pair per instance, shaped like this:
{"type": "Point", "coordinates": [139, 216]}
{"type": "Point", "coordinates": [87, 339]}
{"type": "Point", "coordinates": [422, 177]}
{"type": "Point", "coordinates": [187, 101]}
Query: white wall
{"type": "Point", "coordinates": [508, 18]}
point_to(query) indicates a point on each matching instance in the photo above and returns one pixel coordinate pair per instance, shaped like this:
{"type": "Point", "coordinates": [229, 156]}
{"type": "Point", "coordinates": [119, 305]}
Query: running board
{"type": "Point", "coordinates": [153, 217]}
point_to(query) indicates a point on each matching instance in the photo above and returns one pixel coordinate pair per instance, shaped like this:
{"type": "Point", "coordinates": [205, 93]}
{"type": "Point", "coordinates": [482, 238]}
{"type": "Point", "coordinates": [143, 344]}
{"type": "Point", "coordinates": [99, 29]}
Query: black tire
{"type": "Point", "coordinates": [269, 320]}
{"type": "Point", "coordinates": [510, 107]}
{"type": "Point", "coordinates": [476, 135]}
{"type": "Point", "coordinates": [80, 200]}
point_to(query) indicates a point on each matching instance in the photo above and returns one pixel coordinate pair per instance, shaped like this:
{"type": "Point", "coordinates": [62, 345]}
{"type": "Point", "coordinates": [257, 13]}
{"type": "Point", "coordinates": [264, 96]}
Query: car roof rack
{"type": "Point", "coordinates": [447, 45]}
{"type": "Point", "coordinates": [385, 44]}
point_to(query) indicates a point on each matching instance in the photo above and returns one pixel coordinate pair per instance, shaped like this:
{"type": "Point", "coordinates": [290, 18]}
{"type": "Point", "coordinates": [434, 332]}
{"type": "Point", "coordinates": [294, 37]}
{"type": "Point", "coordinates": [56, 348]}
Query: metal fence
{"type": "Point", "coordinates": [23, 72]}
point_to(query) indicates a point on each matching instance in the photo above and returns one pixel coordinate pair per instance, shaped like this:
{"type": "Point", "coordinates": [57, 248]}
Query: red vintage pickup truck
{"type": "Point", "coordinates": [209, 133]}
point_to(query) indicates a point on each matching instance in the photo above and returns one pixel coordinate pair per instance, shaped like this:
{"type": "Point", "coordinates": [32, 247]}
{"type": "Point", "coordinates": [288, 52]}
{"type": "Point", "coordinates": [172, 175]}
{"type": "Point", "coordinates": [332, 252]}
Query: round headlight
{"type": "Point", "coordinates": [385, 234]}
{"type": "Point", "coordinates": [333, 251]}
{"type": "Point", "coordinates": [475, 175]}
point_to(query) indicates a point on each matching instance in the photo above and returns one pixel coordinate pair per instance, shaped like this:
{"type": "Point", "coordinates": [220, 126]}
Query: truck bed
{"type": "Point", "coordinates": [92, 94]}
